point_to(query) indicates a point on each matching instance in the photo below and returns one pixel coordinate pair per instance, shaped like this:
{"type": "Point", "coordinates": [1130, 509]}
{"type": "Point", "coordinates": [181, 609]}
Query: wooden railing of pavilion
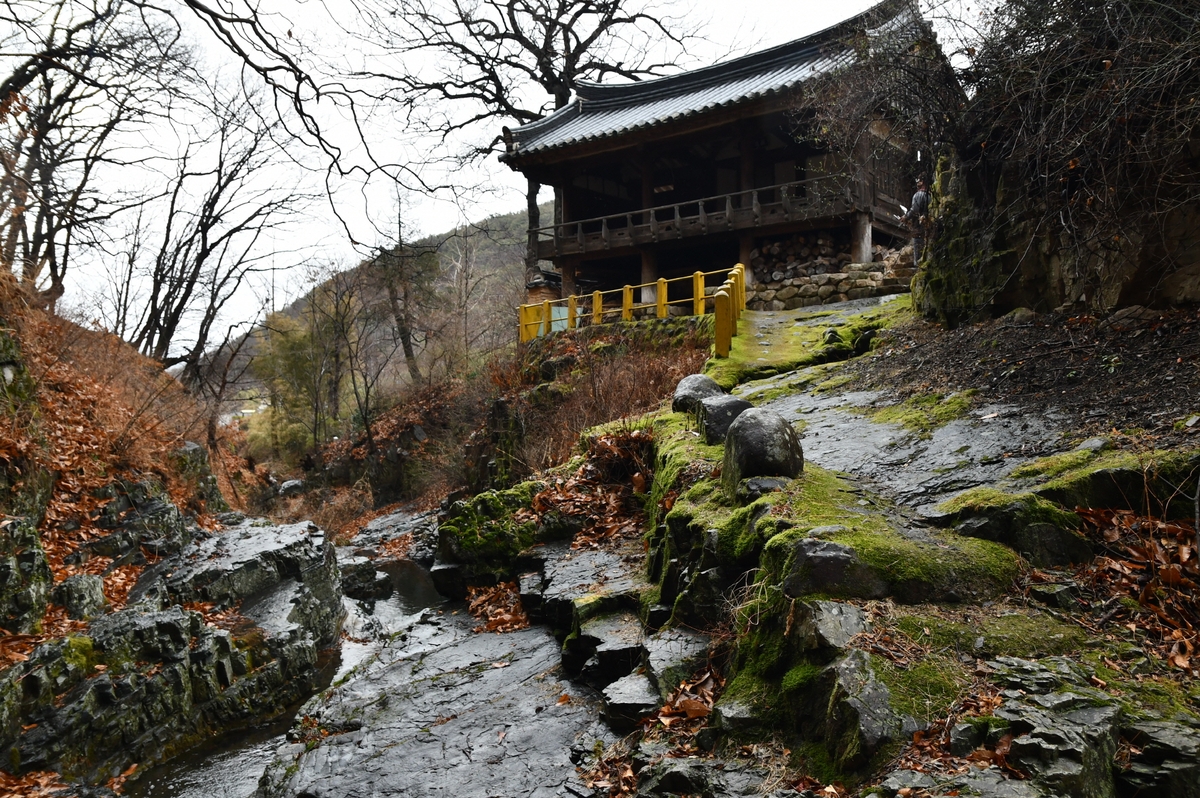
{"type": "Point", "coordinates": [728, 302]}
{"type": "Point", "coordinates": [820, 197]}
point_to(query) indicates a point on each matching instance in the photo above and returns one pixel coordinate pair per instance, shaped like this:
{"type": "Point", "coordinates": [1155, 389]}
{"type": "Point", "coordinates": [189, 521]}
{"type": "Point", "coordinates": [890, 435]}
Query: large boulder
{"type": "Point", "coordinates": [691, 389]}
{"type": "Point", "coordinates": [760, 443]}
{"type": "Point", "coordinates": [717, 413]}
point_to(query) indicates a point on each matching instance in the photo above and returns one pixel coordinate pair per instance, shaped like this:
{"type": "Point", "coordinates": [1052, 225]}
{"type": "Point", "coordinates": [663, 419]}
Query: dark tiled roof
{"type": "Point", "coordinates": [603, 111]}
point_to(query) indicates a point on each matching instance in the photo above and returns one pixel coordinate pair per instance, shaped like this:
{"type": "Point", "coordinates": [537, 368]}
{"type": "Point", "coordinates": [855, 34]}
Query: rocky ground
{"type": "Point", "coordinates": [983, 583]}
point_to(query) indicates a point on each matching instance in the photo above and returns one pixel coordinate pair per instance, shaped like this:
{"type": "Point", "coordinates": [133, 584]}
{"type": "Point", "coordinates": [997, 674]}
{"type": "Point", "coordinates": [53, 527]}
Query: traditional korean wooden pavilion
{"type": "Point", "coordinates": [690, 172]}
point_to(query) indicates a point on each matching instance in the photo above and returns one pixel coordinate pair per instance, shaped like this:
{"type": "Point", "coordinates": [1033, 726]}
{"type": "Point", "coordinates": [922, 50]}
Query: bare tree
{"type": "Point", "coordinates": [362, 324]}
{"type": "Point", "coordinates": [491, 59]}
{"type": "Point", "coordinates": [75, 74]}
{"type": "Point", "coordinates": [222, 373]}
{"type": "Point", "coordinates": [223, 207]}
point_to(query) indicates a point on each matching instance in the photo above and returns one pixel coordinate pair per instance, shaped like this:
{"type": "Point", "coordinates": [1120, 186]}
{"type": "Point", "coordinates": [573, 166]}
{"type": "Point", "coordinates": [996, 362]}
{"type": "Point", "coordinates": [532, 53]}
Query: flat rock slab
{"type": "Point", "coordinates": [233, 565]}
{"type": "Point", "coordinates": [673, 655]}
{"type": "Point", "coordinates": [579, 585]}
{"type": "Point", "coordinates": [386, 528]}
{"type": "Point", "coordinates": [978, 449]}
{"type": "Point", "coordinates": [447, 713]}
{"type": "Point", "coordinates": [628, 700]}
{"type": "Point", "coordinates": [611, 646]}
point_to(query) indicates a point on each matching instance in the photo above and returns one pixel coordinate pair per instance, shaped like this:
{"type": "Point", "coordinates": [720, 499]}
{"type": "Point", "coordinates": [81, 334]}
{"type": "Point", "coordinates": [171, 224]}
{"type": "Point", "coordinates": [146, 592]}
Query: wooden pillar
{"type": "Point", "coordinates": [568, 266]}
{"type": "Point", "coordinates": [860, 238]}
{"type": "Point", "coordinates": [745, 247]}
{"type": "Point", "coordinates": [649, 275]}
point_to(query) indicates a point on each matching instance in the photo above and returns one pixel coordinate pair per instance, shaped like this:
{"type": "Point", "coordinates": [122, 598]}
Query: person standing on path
{"type": "Point", "coordinates": [916, 217]}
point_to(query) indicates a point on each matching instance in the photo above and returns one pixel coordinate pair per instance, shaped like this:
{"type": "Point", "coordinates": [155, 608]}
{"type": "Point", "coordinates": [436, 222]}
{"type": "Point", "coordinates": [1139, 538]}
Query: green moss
{"type": "Point", "coordinates": [923, 413]}
{"type": "Point", "coordinates": [832, 383]}
{"type": "Point", "coordinates": [1145, 696]}
{"type": "Point", "coordinates": [751, 689]}
{"type": "Point", "coordinates": [1030, 508]}
{"type": "Point", "coordinates": [481, 531]}
{"type": "Point", "coordinates": [818, 763]}
{"type": "Point", "coordinates": [926, 689]}
{"type": "Point", "coordinates": [1053, 465]}
{"type": "Point", "coordinates": [800, 677]}
{"type": "Point", "coordinates": [794, 347]}
{"type": "Point", "coordinates": [1012, 634]}
{"type": "Point", "coordinates": [79, 653]}
{"type": "Point", "coordinates": [950, 563]}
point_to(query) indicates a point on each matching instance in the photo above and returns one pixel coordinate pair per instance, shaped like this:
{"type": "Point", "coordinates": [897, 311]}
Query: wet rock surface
{"type": "Point", "coordinates": [422, 527]}
{"type": "Point", "coordinates": [446, 712]}
{"type": "Point", "coordinates": [673, 655]}
{"type": "Point", "coordinates": [440, 710]}
{"type": "Point", "coordinates": [154, 678]}
{"type": "Point", "coordinates": [691, 390]}
{"type": "Point", "coordinates": [717, 413]}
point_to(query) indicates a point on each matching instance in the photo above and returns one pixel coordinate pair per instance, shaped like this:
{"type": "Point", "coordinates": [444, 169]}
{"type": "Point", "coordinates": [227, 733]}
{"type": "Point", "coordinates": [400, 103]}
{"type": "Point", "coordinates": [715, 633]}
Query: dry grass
{"type": "Point", "coordinates": [604, 390]}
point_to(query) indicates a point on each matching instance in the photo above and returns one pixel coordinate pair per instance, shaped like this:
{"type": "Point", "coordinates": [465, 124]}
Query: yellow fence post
{"type": "Point", "coordinates": [721, 305]}
{"type": "Point", "coordinates": [572, 309]}
{"type": "Point", "coordinates": [547, 317]}
{"type": "Point", "coordinates": [597, 308]}
{"type": "Point", "coordinates": [698, 293]}
{"type": "Point", "coordinates": [660, 296]}
{"type": "Point", "coordinates": [521, 324]}
{"type": "Point", "coordinates": [627, 303]}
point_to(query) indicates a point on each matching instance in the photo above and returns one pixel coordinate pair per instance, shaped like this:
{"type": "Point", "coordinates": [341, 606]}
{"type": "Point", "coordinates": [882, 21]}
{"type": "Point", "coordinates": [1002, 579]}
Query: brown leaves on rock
{"type": "Point", "coordinates": [613, 774]}
{"type": "Point", "coordinates": [1155, 563]}
{"type": "Point", "coordinates": [677, 721]}
{"type": "Point", "coordinates": [600, 494]}
{"type": "Point", "coordinates": [30, 785]}
{"type": "Point", "coordinates": [929, 750]}
{"type": "Point", "coordinates": [498, 607]}
{"type": "Point", "coordinates": [686, 710]}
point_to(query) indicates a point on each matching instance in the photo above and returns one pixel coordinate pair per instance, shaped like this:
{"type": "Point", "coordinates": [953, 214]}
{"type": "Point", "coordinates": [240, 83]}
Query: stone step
{"type": "Point", "coordinates": [582, 584]}
{"type": "Point", "coordinates": [628, 700]}
{"type": "Point", "coordinates": [672, 655]}
{"type": "Point", "coordinates": [605, 649]}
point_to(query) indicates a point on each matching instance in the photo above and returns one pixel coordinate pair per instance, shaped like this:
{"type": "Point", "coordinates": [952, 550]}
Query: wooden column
{"type": "Point", "coordinates": [745, 246]}
{"type": "Point", "coordinates": [860, 238]}
{"type": "Point", "coordinates": [649, 275]}
{"type": "Point", "coordinates": [568, 266]}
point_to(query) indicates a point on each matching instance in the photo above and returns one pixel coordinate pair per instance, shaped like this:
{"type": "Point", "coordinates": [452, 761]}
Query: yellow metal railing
{"type": "Point", "coordinates": [729, 300]}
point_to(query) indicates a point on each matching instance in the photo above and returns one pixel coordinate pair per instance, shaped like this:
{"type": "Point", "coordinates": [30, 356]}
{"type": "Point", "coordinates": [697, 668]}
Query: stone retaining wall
{"type": "Point", "coordinates": [815, 269]}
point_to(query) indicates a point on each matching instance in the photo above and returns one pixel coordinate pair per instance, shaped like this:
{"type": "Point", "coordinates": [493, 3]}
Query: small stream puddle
{"type": "Point", "coordinates": [231, 766]}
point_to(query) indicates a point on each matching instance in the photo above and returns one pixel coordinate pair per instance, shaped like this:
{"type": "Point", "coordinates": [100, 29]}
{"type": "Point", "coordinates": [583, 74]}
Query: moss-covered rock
{"type": "Point", "coordinates": [25, 579]}
{"type": "Point", "coordinates": [925, 412]}
{"type": "Point", "coordinates": [483, 533]}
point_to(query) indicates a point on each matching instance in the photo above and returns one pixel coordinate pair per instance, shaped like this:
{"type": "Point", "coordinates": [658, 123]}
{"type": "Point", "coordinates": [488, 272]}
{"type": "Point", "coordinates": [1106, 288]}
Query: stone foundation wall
{"type": "Point", "coordinates": [815, 269]}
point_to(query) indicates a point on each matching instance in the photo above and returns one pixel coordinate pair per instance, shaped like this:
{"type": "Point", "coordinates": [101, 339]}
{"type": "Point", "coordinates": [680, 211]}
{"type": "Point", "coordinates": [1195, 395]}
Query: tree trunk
{"type": "Point", "coordinates": [532, 271]}
{"type": "Point", "coordinates": [403, 323]}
